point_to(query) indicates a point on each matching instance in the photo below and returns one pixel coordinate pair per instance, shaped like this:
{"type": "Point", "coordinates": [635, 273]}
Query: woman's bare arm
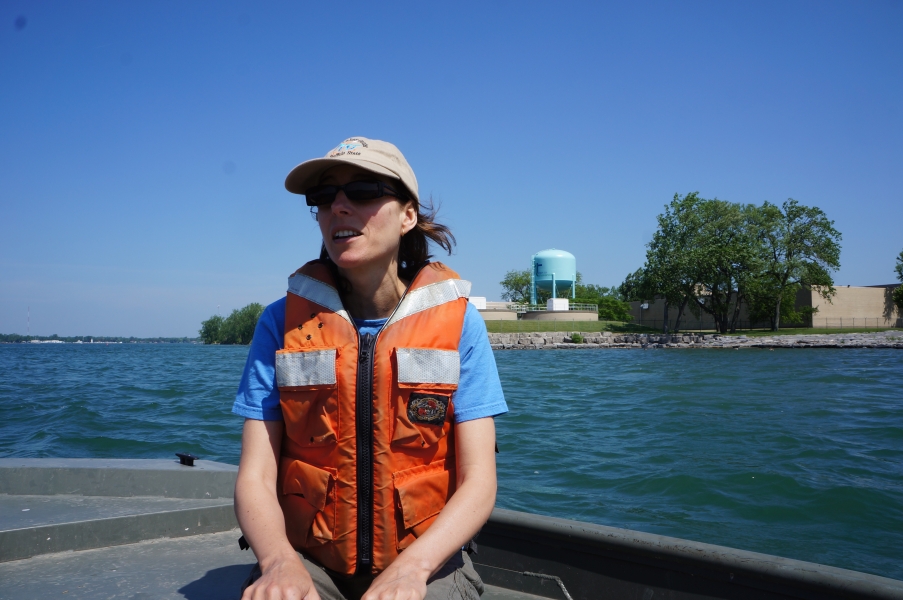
{"type": "Point", "coordinates": [467, 510]}
{"type": "Point", "coordinates": [260, 517]}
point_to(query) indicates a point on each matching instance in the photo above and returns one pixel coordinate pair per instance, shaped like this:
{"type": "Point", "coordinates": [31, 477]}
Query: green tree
{"type": "Point", "coordinates": [516, 286]}
{"type": "Point", "coordinates": [210, 330]}
{"type": "Point", "coordinates": [727, 257]}
{"type": "Point", "coordinates": [898, 292]}
{"type": "Point", "coordinates": [591, 290]}
{"type": "Point", "coordinates": [611, 307]}
{"type": "Point", "coordinates": [238, 328]}
{"type": "Point", "coordinates": [761, 305]}
{"type": "Point", "coordinates": [703, 256]}
{"type": "Point", "coordinates": [800, 248]}
{"type": "Point", "coordinates": [671, 271]}
{"type": "Point", "coordinates": [636, 287]}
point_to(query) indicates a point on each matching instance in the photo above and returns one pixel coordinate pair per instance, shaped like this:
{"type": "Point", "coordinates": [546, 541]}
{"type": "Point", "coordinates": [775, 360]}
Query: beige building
{"type": "Point", "coordinates": [652, 314]}
{"type": "Point", "coordinates": [493, 311]}
{"type": "Point", "coordinates": [851, 306]}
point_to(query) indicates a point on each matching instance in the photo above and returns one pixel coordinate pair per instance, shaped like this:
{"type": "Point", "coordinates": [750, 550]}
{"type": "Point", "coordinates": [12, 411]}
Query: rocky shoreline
{"type": "Point", "coordinates": [607, 339]}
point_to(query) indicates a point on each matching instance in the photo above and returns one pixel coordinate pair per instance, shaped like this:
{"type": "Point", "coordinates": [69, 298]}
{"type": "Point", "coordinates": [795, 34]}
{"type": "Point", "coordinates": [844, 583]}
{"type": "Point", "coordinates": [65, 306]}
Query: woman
{"type": "Point", "coordinates": [367, 457]}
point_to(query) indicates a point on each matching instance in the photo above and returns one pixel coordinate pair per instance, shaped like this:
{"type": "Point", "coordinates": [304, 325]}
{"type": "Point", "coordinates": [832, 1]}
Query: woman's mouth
{"type": "Point", "coordinates": [344, 234]}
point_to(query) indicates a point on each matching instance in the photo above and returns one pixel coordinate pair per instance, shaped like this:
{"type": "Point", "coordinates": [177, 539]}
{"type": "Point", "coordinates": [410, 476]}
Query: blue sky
{"type": "Point", "coordinates": [144, 145]}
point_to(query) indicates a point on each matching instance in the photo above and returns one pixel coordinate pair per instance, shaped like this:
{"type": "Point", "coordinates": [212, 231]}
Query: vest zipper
{"type": "Point", "coordinates": [364, 427]}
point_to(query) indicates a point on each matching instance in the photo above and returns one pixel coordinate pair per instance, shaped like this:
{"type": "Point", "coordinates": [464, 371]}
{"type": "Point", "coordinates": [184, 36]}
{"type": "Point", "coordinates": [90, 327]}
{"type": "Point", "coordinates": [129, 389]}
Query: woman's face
{"type": "Point", "coordinates": [363, 234]}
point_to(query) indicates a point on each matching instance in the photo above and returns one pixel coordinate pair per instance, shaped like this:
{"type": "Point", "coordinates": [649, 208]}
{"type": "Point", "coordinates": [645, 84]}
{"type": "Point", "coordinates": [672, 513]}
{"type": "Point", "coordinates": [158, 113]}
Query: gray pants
{"type": "Point", "coordinates": [457, 580]}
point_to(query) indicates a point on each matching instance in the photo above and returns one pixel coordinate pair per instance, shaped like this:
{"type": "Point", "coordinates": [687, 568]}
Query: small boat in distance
{"type": "Point", "coordinates": [128, 528]}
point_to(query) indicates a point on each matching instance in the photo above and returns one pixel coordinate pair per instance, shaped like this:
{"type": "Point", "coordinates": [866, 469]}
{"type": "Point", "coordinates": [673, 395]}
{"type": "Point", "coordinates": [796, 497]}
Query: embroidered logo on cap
{"type": "Point", "coordinates": [427, 408]}
{"type": "Point", "coordinates": [348, 147]}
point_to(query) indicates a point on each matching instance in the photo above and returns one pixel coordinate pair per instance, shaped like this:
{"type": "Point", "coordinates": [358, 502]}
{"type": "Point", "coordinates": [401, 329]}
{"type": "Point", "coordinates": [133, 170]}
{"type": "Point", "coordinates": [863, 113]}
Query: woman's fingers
{"type": "Point", "coordinates": [283, 581]}
{"type": "Point", "coordinates": [395, 586]}
{"type": "Point", "coordinates": [273, 591]}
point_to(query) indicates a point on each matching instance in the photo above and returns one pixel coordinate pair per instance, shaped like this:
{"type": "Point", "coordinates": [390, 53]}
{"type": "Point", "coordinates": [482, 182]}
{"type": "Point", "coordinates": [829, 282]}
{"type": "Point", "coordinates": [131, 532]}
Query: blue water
{"type": "Point", "coordinates": [791, 452]}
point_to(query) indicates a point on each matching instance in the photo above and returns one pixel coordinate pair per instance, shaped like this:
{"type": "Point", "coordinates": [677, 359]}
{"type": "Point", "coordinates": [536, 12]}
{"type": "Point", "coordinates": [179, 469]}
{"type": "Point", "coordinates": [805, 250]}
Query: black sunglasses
{"type": "Point", "coordinates": [356, 191]}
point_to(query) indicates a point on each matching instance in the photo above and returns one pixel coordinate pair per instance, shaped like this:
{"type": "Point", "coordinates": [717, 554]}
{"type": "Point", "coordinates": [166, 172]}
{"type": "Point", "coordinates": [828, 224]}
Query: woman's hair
{"type": "Point", "coordinates": [414, 249]}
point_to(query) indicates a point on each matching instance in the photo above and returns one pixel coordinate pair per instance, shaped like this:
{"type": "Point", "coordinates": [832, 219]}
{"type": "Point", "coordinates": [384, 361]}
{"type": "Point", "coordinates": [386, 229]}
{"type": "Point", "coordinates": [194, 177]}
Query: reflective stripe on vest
{"type": "Point", "coordinates": [420, 365]}
{"type": "Point", "coordinates": [306, 368]}
{"type": "Point", "coordinates": [415, 372]}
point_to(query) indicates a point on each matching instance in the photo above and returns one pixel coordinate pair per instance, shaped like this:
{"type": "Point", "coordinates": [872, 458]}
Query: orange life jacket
{"type": "Point", "coordinates": [368, 451]}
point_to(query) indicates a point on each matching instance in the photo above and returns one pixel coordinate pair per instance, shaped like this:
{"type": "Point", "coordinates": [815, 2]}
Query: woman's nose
{"type": "Point", "coordinates": [341, 204]}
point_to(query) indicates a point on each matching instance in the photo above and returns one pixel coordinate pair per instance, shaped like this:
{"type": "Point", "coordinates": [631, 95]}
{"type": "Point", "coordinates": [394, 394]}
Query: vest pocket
{"type": "Point", "coordinates": [308, 502]}
{"type": "Point", "coordinates": [307, 393]}
{"type": "Point", "coordinates": [420, 418]}
{"type": "Point", "coordinates": [426, 380]}
{"type": "Point", "coordinates": [420, 493]}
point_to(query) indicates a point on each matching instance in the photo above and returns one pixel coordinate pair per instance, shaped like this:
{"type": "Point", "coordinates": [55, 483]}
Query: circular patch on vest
{"type": "Point", "coordinates": [427, 408]}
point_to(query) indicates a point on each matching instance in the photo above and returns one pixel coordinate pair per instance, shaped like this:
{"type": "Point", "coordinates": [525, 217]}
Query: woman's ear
{"type": "Point", "coordinates": [409, 217]}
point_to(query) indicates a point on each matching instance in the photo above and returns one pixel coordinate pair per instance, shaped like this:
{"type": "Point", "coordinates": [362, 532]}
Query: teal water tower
{"type": "Point", "coordinates": [553, 269]}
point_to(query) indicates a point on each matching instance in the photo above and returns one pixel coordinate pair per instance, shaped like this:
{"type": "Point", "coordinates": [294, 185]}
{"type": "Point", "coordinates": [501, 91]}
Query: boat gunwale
{"type": "Point", "coordinates": [751, 569]}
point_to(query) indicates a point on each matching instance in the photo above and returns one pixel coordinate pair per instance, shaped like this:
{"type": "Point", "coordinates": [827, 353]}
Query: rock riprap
{"type": "Point", "coordinates": [607, 339]}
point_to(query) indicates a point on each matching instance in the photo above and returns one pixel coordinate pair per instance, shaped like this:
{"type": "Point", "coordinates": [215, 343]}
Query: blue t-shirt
{"type": "Point", "coordinates": [479, 391]}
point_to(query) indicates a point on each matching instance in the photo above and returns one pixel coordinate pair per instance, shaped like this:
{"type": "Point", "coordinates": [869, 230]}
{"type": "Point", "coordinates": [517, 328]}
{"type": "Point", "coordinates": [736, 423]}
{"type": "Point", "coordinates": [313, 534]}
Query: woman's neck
{"type": "Point", "coordinates": [374, 292]}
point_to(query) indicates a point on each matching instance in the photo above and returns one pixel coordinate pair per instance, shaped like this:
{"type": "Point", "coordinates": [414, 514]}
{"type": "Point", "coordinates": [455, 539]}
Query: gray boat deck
{"type": "Point", "coordinates": [199, 567]}
{"type": "Point", "coordinates": [79, 528]}
{"type": "Point", "coordinates": [17, 512]}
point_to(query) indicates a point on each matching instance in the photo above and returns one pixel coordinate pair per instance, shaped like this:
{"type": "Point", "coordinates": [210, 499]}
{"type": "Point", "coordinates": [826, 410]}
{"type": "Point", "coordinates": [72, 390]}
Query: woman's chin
{"type": "Point", "coordinates": [348, 261]}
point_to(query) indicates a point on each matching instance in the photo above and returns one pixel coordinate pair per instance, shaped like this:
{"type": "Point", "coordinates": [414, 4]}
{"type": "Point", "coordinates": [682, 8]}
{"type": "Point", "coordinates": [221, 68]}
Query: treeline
{"type": "Point", "coordinates": [516, 289]}
{"type": "Point", "coordinates": [15, 338]}
{"type": "Point", "coordinates": [237, 328]}
{"type": "Point", "coordinates": [715, 257]}
{"type": "Point", "coordinates": [898, 293]}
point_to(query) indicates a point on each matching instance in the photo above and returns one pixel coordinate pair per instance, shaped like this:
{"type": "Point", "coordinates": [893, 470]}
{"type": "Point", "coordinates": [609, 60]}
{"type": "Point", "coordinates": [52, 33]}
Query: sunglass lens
{"type": "Point", "coordinates": [359, 191]}
{"type": "Point", "coordinates": [321, 194]}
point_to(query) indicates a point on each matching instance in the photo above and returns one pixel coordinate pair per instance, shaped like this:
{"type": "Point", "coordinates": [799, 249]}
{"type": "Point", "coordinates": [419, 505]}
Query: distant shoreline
{"type": "Point", "coordinates": [15, 338]}
{"type": "Point", "coordinates": [563, 341]}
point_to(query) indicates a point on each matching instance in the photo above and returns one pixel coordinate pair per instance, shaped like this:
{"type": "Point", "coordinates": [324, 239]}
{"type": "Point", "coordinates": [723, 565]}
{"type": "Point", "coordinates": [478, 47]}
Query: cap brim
{"type": "Point", "coordinates": [307, 174]}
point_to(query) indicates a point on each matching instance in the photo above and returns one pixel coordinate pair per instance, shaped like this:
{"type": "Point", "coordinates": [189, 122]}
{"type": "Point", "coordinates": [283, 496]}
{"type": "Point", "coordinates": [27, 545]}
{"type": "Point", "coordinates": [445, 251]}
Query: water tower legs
{"type": "Point", "coordinates": [533, 282]}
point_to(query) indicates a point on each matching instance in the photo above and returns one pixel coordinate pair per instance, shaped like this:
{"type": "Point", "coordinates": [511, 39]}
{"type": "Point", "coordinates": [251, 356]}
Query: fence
{"type": "Point", "coordinates": [855, 322]}
{"type": "Point", "coordinates": [817, 323]}
{"type": "Point", "coordinates": [522, 308]}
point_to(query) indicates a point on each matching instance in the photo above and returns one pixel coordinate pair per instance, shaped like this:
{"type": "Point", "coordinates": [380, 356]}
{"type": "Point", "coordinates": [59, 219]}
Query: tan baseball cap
{"type": "Point", "coordinates": [375, 156]}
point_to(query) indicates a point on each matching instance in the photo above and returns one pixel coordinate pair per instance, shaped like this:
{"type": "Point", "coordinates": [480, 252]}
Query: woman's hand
{"type": "Point", "coordinates": [467, 510]}
{"type": "Point", "coordinates": [257, 508]}
{"type": "Point", "coordinates": [284, 579]}
{"type": "Point", "coordinates": [402, 580]}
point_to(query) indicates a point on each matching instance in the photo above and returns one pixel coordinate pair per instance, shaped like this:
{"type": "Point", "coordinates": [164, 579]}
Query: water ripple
{"type": "Point", "coordinates": [793, 452]}
{"type": "Point", "coordinates": [796, 452]}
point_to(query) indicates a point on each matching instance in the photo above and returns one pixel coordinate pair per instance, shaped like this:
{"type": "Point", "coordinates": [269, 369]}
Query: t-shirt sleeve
{"type": "Point", "coordinates": [258, 396]}
{"type": "Point", "coordinates": [479, 392]}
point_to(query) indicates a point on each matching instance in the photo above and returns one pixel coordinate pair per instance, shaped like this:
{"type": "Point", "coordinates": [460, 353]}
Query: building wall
{"type": "Point", "coordinates": [655, 314]}
{"type": "Point", "coordinates": [496, 305]}
{"type": "Point", "coordinates": [498, 315]}
{"type": "Point", "coordinates": [853, 306]}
